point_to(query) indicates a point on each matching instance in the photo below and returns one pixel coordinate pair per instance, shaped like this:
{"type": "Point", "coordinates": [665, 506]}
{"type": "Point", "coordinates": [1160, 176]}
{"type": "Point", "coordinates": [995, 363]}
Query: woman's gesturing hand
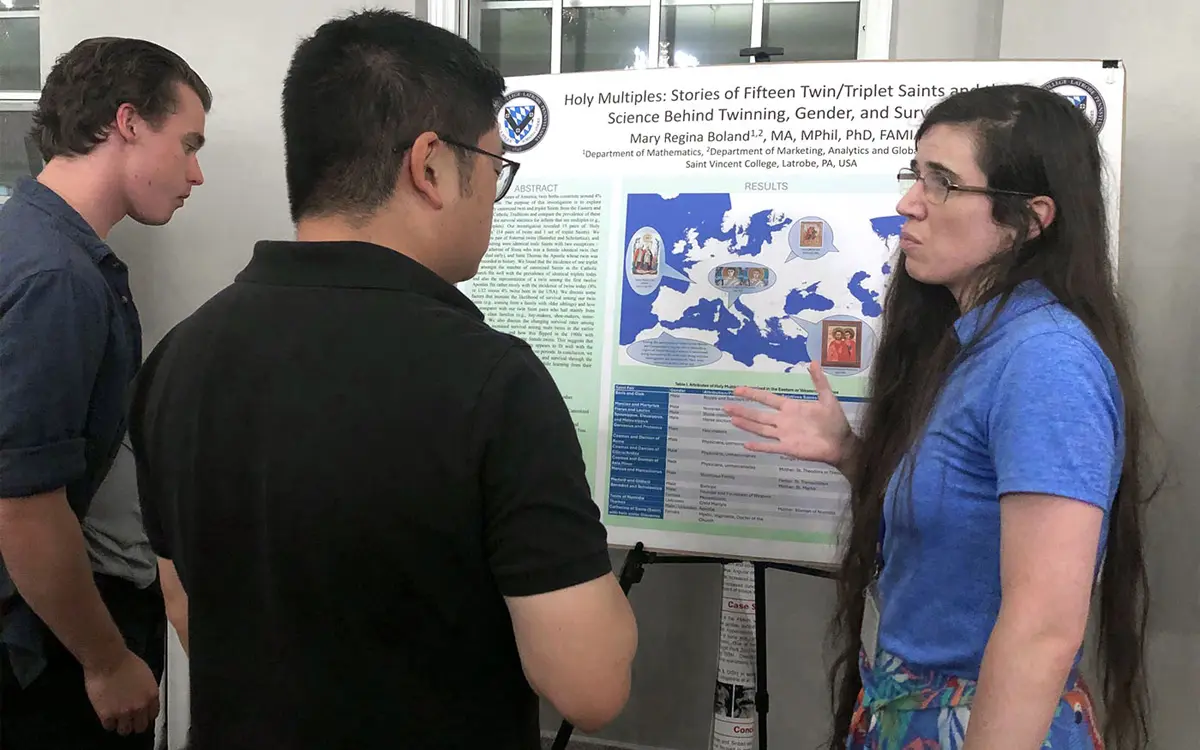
{"type": "Point", "coordinates": [807, 430]}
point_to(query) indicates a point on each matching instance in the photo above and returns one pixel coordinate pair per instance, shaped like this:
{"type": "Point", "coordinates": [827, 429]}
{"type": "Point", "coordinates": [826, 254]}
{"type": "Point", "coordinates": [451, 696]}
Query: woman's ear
{"type": "Point", "coordinates": [1044, 208]}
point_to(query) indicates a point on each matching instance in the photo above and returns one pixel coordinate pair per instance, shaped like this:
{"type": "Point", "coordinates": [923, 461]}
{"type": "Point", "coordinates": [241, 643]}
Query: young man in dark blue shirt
{"type": "Point", "coordinates": [81, 611]}
{"type": "Point", "coordinates": [376, 503]}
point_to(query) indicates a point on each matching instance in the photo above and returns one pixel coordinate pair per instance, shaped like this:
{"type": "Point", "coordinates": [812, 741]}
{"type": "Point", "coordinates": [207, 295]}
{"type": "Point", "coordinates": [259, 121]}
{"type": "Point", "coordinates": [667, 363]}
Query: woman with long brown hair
{"type": "Point", "coordinates": [996, 478]}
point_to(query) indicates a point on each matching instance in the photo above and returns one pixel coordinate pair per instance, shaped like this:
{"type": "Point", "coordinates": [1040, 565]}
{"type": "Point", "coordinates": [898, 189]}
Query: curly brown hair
{"type": "Point", "coordinates": [87, 85]}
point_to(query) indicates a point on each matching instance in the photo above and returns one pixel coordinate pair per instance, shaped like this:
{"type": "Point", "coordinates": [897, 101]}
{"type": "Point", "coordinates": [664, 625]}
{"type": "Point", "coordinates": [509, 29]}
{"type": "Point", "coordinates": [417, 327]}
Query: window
{"type": "Point", "coordinates": [20, 84]}
{"type": "Point", "coordinates": [524, 37]}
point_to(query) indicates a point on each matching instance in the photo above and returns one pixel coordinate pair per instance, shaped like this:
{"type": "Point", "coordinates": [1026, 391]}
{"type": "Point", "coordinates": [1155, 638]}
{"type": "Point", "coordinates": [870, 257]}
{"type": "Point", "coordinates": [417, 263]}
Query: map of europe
{"type": "Point", "coordinates": [798, 264]}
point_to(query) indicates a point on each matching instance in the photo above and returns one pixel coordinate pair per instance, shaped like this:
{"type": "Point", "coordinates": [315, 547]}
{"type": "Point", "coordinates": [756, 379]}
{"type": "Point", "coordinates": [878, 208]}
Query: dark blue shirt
{"type": "Point", "coordinates": [70, 344]}
{"type": "Point", "coordinates": [1035, 407]}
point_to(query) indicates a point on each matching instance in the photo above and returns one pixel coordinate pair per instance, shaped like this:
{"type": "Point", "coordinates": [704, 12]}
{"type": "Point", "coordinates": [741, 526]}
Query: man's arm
{"type": "Point", "coordinates": [574, 628]}
{"type": "Point", "coordinates": [577, 645]}
{"type": "Point", "coordinates": [52, 336]}
{"type": "Point", "coordinates": [43, 549]}
{"type": "Point", "coordinates": [176, 599]}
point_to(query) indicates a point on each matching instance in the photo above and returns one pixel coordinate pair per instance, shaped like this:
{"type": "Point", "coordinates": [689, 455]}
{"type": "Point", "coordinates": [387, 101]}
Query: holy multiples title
{"type": "Point", "coordinates": [819, 101]}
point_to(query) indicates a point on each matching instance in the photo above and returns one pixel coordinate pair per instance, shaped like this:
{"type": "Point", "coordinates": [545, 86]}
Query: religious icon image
{"type": "Point", "coordinates": [646, 250]}
{"type": "Point", "coordinates": [742, 277]}
{"type": "Point", "coordinates": [841, 343]}
{"type": "Point", "coordinates": [727, 276]}
{"type": "Point", "coordinates": [812, 234]}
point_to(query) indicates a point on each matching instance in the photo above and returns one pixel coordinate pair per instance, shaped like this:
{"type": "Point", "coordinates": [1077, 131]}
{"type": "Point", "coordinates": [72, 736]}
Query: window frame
{"type": "Point", "coordinates": [21, 94]}
{"type": "Point", "coordinates": [13, 13]}
{"type": "Point", "coordinates": [462, 16]}
{"type": "Point", "coordinates": [16, 102]}
{"type": "Point", "coordinates": [20, 100]}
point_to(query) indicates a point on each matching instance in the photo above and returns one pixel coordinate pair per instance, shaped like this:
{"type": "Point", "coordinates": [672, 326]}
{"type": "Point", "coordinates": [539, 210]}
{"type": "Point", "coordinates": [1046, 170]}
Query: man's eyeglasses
{"type": "Point", "coordinates": [505, 174]}
{"type": "Point", "coordinates": [938, 186]}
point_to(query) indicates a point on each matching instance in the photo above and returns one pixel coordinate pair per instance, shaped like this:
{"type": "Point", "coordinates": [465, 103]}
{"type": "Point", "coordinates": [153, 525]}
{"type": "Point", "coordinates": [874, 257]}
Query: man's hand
{"type": "Point", "coordinates": [42, 546]}
{"type": "Point", "coordinates": [124, 695]}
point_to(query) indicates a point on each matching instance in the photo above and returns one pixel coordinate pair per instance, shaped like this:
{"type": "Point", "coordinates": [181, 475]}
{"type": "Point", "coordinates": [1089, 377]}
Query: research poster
{"type": "Point", "coordinates": [672, 234]}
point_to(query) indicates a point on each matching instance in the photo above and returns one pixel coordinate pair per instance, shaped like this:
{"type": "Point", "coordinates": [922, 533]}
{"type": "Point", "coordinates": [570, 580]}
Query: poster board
{"type": "Point", "coordinates": [674, 233]}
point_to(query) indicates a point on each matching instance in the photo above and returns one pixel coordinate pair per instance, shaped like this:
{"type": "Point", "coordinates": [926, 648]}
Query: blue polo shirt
{"type": "Point", "coordinates": [1034, 407]}
{"type": "Point", "coordinates": [70, 343]}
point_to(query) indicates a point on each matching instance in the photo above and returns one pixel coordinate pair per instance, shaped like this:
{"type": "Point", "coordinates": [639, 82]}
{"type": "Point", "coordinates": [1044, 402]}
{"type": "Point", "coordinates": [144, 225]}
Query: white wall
{"type": "Point", "coordinates": [1159, 268]}
{"type": "Point", "coordinates": [241, 49]}
{"type": "Point", "coordinates": [947, 29]}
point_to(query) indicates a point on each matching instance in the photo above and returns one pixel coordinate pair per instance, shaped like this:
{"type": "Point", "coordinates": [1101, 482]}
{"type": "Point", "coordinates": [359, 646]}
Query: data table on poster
{"type": "Point", "coordinates": [676, 456]}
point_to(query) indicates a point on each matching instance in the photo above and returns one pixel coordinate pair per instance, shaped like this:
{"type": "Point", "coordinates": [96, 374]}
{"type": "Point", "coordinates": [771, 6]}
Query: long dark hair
{"type": "Point", "coordinates": [1030, 140]}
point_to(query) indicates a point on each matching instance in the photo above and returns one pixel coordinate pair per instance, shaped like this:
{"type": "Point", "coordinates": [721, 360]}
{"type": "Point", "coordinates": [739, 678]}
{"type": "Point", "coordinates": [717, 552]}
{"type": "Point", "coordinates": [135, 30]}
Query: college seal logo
{"type": "Point", "coordinates": [1083, 95]}
{"type": "Point", "coordinates": [523, 120]}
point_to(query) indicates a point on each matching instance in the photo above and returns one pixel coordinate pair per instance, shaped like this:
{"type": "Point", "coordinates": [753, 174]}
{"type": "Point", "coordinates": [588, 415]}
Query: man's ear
{"type": "Point", "coordinates": [423, 168]}
{"type": "Point", "coordinates": [128, 123]}
{"type": "Point", "coordinates": [1045, 210]}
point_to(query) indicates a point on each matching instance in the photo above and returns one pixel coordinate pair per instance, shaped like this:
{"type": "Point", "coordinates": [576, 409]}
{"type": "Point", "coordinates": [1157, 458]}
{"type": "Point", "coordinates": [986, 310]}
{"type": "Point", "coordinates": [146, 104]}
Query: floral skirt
{"type": "Point", "coordinates": [899, 709]}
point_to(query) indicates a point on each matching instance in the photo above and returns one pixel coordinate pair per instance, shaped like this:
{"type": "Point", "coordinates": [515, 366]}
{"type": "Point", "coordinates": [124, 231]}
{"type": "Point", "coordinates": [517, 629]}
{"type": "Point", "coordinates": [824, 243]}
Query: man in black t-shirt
{"type": "Point", "coordinates": [376, 503]}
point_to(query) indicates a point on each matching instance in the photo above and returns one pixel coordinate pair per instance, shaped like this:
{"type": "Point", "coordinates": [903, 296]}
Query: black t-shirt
{"type": "Point", "coordinates": [350, 470]}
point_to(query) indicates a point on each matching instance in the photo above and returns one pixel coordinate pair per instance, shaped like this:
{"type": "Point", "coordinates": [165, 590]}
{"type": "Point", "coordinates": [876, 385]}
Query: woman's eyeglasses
{"type": "Point", "coordinates": [937, 186]}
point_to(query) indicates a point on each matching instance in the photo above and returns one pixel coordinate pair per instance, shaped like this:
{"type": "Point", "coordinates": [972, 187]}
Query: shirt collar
{"type": "Point", "coordinates": [35, 194]}
{"type": "Point", "coordinates": [350, 265]}
{"type": "Point", "coordinates": [1027, 296]}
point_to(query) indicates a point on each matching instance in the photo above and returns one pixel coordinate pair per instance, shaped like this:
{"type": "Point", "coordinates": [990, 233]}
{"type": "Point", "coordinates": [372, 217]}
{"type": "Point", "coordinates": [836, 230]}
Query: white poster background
{"type": "Point", "coordinates": [828, 127]}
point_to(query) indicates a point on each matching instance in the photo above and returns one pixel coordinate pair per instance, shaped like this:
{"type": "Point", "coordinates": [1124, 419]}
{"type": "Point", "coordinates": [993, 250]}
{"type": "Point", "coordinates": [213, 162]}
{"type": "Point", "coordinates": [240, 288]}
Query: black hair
{"type": "Point", "coordinates": [88, 84]}
{"type": "Point", "coordinates": [360, 90]}
{"type": "Point", "coordinates": [1029, 140]}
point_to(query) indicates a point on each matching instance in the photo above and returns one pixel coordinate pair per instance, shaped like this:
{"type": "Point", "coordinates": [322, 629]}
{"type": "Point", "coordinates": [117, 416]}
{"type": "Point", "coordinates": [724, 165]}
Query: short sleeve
{"type": "Point", "coordinates": [53, 330]}
{"type": "Point", "coordinates": [1056, 426]}
{"type": "Point", "coordinates": [542, 527]}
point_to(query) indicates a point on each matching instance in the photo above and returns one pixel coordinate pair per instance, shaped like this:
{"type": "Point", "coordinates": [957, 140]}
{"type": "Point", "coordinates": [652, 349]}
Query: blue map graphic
{"type": "Point", "coordinates": [695, 230]}
{"type": "Point", "coordinates": [887, 227]}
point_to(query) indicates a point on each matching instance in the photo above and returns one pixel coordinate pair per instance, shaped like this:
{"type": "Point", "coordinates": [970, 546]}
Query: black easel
{"type": "Point", "coordinates": [634, 567]}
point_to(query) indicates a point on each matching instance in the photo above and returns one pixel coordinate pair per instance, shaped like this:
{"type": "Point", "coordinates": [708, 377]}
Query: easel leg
{"type": "Point", "coordinates": [762, 702]}
{"type": "Point", "coordinates": [631, 572]}
{"type": "Point", "coordinates": [564, 735]}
